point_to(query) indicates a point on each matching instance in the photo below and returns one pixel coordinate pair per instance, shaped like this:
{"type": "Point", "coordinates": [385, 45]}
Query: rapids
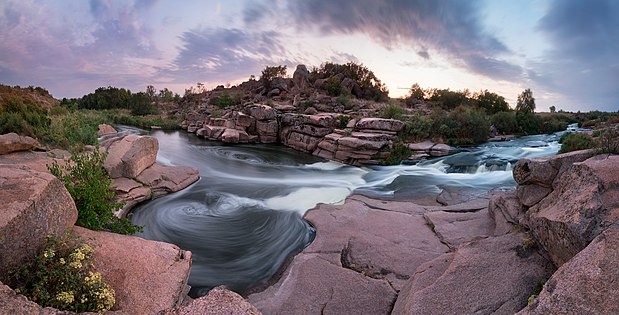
{"type": "Point", "coordinates": [244, 217]}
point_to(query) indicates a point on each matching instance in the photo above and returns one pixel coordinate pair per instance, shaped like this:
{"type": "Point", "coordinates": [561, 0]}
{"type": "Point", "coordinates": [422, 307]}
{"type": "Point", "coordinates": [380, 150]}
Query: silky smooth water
{"type": "Point", "coordinates": [243, 218]}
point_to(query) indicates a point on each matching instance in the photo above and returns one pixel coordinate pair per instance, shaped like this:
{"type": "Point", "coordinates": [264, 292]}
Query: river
{"type": "Point", "coordinates": [244, 217]}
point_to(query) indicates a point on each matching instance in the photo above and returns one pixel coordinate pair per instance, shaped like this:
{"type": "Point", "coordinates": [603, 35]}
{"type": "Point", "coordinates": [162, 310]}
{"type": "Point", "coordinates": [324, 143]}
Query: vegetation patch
{"type": "Point", "coordinates": [90, 186]}
{"type": "Point", "coordinates": [62, 276]}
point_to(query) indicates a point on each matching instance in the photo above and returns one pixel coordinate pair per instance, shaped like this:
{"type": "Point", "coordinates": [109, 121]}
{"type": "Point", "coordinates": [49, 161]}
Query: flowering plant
{"type": "Point", "coordinates": [62, 277]}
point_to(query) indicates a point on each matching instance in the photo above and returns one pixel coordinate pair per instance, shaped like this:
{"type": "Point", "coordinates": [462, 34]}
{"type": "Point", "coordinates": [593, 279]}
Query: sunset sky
{"type": "Point", "coordinates": [566, 51]}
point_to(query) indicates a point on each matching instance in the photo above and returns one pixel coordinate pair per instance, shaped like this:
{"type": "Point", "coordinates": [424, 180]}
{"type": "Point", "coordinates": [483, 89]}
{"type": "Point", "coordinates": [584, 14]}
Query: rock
{"type": "Point", "coordinates": [147, 276]}
{"type": "Point", "coordinates": [234, 136]}
{"type": "Point", "coordinates": [506, 211]}
{"type": "Point", "coordinates": [543, 171]}
{"type": "Point", "coordinates": [12, 303]}
{"type": "Point", "coordinates": [262, 112]}
{"type": "Point", "coordinates": [129, 192]}
{"type": "Point", "coordinates": [12, 142]}
{"type": "Point", "coordinates": [310, 111]}
{"type": "Point", "coordinates": [494, 275]}
{"type": "Point", "coordinates": [424, 146]}
{"type": "Point", "coordinates": [300, 77]}
{"type": "Point", "coordinates": [586, 284]}
{"type": "Point", "coordinates": [267, 130]}
{"type": "Point", "coordinates": [440, 149]}
{"type": "Point", "coordinates": [129, 156]}
{"type": "Point", "coordinates": [319, 287]}
{"type": "Point", "coordinates": [531, 194]}
{"type": "Point", "coordinates": [105, 129]}
{"type": "Point", "coordinates": [358, 144]}
{"type": "Point", "coordinates": [34, 205]}
{"type": "Point", "coordinates": [163, 180]}
{"type": "Point", "coordinates": [455, 228]}
{"type": "Point", "coordinates": [351, 87]}
{"type": "Point", "coordinates": [584, 202]}
{"type": "Point", "coordinates": [380, 124]}
{"type": "Point", "coordinates": [218, 301]}
{"type": "Point", "coordinates": [273, 92]}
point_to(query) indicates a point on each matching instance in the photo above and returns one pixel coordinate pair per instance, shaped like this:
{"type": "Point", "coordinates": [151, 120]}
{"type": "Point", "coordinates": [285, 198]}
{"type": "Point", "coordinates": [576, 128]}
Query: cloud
{"type": "Point", "coordinates": [583, 64]}
{"type": "Point", "coordinates": [218, 54]}
{"type": "Point", "coordinates": [450, 27]}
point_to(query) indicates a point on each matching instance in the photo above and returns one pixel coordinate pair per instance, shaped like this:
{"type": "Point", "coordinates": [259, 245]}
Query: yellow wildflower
{"type": "Point", "coordinates": [49, 253]}
{"type": "Point", "coordinates": [75, 264]}
{"type": "Point", "coordinates": [62, 262]}
{"type": "Point", "coordinates": [65, 297]}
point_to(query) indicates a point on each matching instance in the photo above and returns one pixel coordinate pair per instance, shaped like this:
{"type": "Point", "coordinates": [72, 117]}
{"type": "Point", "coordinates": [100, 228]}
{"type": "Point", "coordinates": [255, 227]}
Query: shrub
{"type": "Point", "coordinates": [608, 141]}
{"type": "Point", "coordinates": [344, 120]}
{"type": "Point", "coordinates": [576, 141]}
{"type": "Point", "coordinates": [392, 111]}
{"type": "Point", "coordinates": [419, 127]}
{"type": "Point", "coordinates": [90, 186]}
{"type": "Point", "coordinates": [399, 151]}
{"type": "Point", "coordinates": [61, 276]}
{"type": "Point", "coordinates": [505, 122]}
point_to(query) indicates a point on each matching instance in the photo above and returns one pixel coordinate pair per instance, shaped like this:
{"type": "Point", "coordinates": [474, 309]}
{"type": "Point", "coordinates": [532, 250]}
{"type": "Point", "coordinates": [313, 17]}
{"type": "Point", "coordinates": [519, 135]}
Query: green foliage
{"type": "Point", "coordinates": [344, 119]}
{"type": "Point", "coordinates": [225, 100]}
{"type": "Point", "coordinates": [473, 126]}
{"type": "Point", "coordinates": [269, 73]}
{"type": "Point", "coordinates": [554, 123]}
{"type": "Point", "coordinates": [333, 87]}
{"type": "Point", "coordinates": [573, 141]}
{"type": "Point", "coordinates": [90, 186]}
{"type": "Point", "coordinates": [399, 151]}
{"type": "Point", "coordinates": [344, 100]}
{"type": "Point", "coordinates": [449, 99]}
{"type": "Point", "coordinates": [416, 93]}
{"type": "Point", "coordinates": [61, 276]}
{"type": "Point", "coordinates": [528, 122]}
{"type": "Point", "coordinates": [371, 87]}
{"type": "Point", "coordinates": [106, 98]}
{"type": "Point", "coordinates": [608, 141]}
{"type": "Point", "coordinates": [526, 102]}
{"type": "Point", "coordinates": [392, 111]}
{"type": "Point", "coordinates": [22, 115]}
{"type": "Point", "coordinates": [553, 109]}
{"type": "Point", "coordinates": [140, 104]}
{"type": "Point", "coordinates": [419, 127]}
{"type": "Point", "coordinates": [491, 102]}
{"type": "Point", "coordinates": [505, 122]}
{"type": "Point", "coordinates": [74, 130]}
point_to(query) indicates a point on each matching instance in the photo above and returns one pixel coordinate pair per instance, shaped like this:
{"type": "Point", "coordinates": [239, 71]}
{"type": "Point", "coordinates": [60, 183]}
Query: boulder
{"type": "Point", "coordinates": [380, 124]}
{"type": "Point", "coordinates": [163, 180]}
{"type": "Point", "coordinates": [34, 205]}
{"type": "Point", "coordinates": [357, 143]}
{"type": "Point", "coordinates": [129, 192]}
{"type": "Point", "coordinates": [300, 77]}
{"type": "Point", "coordinates": [13, 303]}
{"type": "Point", "coordinates": [531, 194]}
{"type": "Point", "coordinates": [351, 87]}
{"type": "Point", "coordinates": [234, 136]}
{"type": "Point", "coordinates": [218, 301]}
{"type": "Point", "coordinates": [494, 275]}
{"type": "Point", "coordinates": [506, 211]}
{"type": "Point", "coordinates": [267, 130]}
{"type": "Point", "coordinates": [147, 276]}
{"type": "Point", "coordinates": [262, 112]}
{"type": "Point", "coordinates": [543, 171]}
{"type": "Point", "coordinates": [105, 129]}
{"type": "Point", "coordinates": [455, 228]}
{"type": "Point", "coordinates": [424, 146]}
{"type": "Point", "coordinates": [130, 155]}
{"type": "Point", "coordinates": [12, 142]}
{"type": "Point", "coordinates": [584, 202]}
{"type": "Point", "coordinates": [310, 111]}
{"type": "Point", "coordinates": [586, 284]}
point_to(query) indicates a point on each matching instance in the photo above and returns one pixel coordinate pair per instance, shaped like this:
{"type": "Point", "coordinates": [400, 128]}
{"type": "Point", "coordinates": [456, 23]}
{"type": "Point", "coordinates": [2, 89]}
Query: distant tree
{"type": "Point", "coordinates": [269, 73]}
{"type": "Point", "coordinates": [450, 99]}
{"type": "Point", "coordinates": [553, 109]}
{"type": "Point", "coordinates": [416, 92]}
{"type": "Point", "coordinates": [526, 102]}
{"type": "Point", "coordinates": [492, 103]}
{"type": "Point", "coordinates": [166, 95]}
{"type": "Point", "coordinates": [371, 87]}
{"type": "Point", "coordinates": [140, 104]}
{"type": "Point", "coordinates": [151, 92]}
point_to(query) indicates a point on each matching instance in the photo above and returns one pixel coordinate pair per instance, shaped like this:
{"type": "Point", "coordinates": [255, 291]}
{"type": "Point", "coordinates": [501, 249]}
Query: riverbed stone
{"type": "Point", "coordinates": [167, 179]}
{"type": "Point", "coordinates": [218, 301]}
{"type": "Point", "coordinates": [532, 194]}
{"type": "Point", "coordinates": [543, 171]}
{"type": "Point", "coordinates": [380, 124]}
{"type": "Point", "coordinates": [12, 142]}
{"type": "Point", "coordinates": [105, 129]}
{"type": "Point", "coordinates": [128, 156]}
{"type": "Point", "coordinates": [455, 228]}
{"type": "Point", "coordinates": [147, 276]}
{"type": "Point", "coordinates": [493, 275]}
{"type": "Point", "coordinates": [34, 205]}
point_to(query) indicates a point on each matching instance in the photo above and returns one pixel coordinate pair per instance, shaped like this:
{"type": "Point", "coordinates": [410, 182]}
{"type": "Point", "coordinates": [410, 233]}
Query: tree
{"type": "Point", "coordinates": [526, 102]}
{"type": "Point", "coordinates": [140, 104]}
{"type": "Point", "coordinates": [491, 102]}
{"type": "Point", "coordinates": [416, 92]}
{"type": "Point", "coordinates": [270, 73]}
{"type": "Point", "coordinates": [151, 91]}
{"type": "Point", "coordinates": [553, 109]}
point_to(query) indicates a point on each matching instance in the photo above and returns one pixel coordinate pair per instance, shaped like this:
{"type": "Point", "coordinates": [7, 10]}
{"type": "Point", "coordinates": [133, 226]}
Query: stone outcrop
{"type": "Point", "coordinates": [12, 142]}
{"type": "Point", "coordinates": [587, 283]}
{"type": "Point", "coordinates": [34, 205]}
{"type": "Point", "coordinates": [147, 276]}
{"type": "Point", "coordinates": [105, 129]}
{"type": "Point", "coordinates": [493, 275]}
{"type": "Point", "coordinates": [136, 177]}
{"type": "Point", "coordinates": [429, 148]}
{"type": "Point", "coordinates": [218, 301]}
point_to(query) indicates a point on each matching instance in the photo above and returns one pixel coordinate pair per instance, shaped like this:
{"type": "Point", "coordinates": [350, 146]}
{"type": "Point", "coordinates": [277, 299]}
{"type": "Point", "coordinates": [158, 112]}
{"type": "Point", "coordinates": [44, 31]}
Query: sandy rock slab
{"type": "Point", "coordinates": [147, 276]}
{"type": "Point", "coordinates": [34, 205]}
{"type": "Point", "coordinates": [218, 301]}
{"type": "Point", "coordinates": [12, 142]}
{"type": "Point", "coordinates": [495, 275]}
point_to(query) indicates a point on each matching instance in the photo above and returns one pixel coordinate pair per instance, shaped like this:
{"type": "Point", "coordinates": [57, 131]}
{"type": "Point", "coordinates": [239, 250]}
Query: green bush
{"type": "Point", "coordinates": [61, 276]}
{"type": "Point", "coordinates": [344, 120]}
{"type": "Point", "coordinates": [90, 186]}
{"type": "Point", "coordinates": [399, 151]}
{"type": "Point", "coordinates": [23, 116]}
{"type": "Point", "coordinates": [419, 127]}
{"type": "Point", "coordinates": [608, 141]}
{"type": "Point", "coordinates": [392, 111]}
{"type": "Point", "coordinates": [576, 141]}
{"type": "Point", "coordinates": [505, 122]}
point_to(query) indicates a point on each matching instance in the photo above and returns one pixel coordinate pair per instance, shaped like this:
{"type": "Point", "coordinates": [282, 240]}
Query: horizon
{"type": "Point", "coordinates": [565, 51]}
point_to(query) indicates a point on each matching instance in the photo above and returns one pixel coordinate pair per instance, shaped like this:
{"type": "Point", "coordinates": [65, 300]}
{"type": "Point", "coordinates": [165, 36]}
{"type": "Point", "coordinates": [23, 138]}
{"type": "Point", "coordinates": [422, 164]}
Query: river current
{"type": "Point", "coordinates": [244, 217]}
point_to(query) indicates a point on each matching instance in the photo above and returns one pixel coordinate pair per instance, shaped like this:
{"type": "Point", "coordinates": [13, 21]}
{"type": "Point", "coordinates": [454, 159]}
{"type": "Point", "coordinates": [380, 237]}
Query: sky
{"type": "Point", "coordinates": [565, 51]}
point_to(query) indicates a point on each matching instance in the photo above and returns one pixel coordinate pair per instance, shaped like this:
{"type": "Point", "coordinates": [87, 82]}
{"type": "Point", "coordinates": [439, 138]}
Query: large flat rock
{"type": "Point", "coordinates": [494, 275]}
{"type": "Point", "coordinates": [12, 142]}
{"type": "Point", "coordinates": [218, 301]}
{"type": "Point", "coordinates": [128, 156]}
{"type": "Point", "coordinates": [147, 276]}
{"type": "Point", "coordinates": [33, 205]}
